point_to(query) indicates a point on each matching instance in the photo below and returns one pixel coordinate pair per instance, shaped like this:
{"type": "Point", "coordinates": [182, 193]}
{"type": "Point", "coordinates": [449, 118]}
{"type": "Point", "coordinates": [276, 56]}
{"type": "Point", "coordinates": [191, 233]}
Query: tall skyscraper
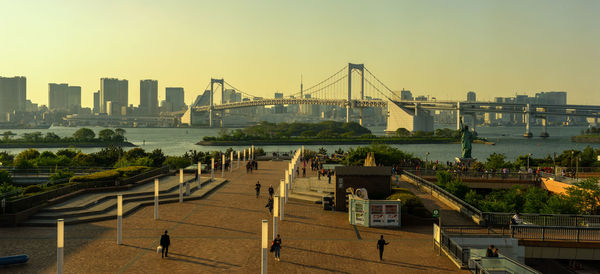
{"type": "Point", "coordinates": [149, 97]}
{"type": "Point", "coordinates": [174, 95]}
{"type": "Point", "coordinates": [115, 91]}
{"type": "Point", "coordinates": [96, 102]}
{"type": "Point", "coordinates": [13, 95]}
{"type": "Point", "coordinates": [471, 96]}
{"type": "Point", "coordinates": [406, 95]}
{"type": "Point", "coordinates": [64, 97]}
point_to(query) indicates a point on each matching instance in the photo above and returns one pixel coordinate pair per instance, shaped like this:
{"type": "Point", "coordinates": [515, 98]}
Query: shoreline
{"type": "Point", "coordinates": [594, 139]}
{"type": "Point", "coordinates": [64, 145]}
{"type": "Point", "coordinates": [326, 142]}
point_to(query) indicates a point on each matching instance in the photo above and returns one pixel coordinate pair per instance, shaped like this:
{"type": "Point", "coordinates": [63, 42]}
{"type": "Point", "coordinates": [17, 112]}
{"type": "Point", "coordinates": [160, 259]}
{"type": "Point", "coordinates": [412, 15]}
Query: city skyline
{"type": "Point", "coordinates": [439, 49]}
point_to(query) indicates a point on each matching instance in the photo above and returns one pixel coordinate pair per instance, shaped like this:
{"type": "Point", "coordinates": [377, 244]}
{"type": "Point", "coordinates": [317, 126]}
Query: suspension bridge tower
{"type": "Point", "coordinates": [212, 92]}
{"type": "Point", "coordinates": [351, 68]}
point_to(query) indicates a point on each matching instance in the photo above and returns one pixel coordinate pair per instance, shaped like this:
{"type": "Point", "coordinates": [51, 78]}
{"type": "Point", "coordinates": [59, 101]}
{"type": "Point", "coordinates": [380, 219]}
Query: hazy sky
{"type": "Point", "coordinates": [438, 48]}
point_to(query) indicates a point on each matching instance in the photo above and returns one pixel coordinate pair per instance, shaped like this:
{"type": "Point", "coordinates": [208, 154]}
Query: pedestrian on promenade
{"type": "Point", "coordinates": [304, 172]}
{"type": "Point", "coordinates": [329, 177]}
{"type": "Point", "coordinates": [277, 247]}
{"type": "Point", "coordinates": [298, 171]}
{"type": "Point", "coordinates": [270, 205]}
{"type": "Point", "coordinates": [271, 191]}
{"type": "Point", "coordinates": [380, 245]}
{"type": "Point", "coordinates": [165, 241]}
{"type": "Point", "coordinates": [490, 251]}
{"type": "Point", "coordinates": [257, 188]}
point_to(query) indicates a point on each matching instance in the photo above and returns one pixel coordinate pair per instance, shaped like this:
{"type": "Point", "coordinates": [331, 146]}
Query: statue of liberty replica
{"type": "Point", "coordinates": [466, 139]}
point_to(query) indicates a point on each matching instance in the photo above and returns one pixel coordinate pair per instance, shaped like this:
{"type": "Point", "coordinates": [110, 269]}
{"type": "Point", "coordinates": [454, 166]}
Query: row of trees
{"type": "Point", "coordinates": [81, 135]}
{"type": "Point", "coordinates": [440, 132]}
{"type": "Point", "coordinates": [587, 157]}
{"type": "Point", "coordinates": [581, 198]}
{"type": "Point", "coordinates": [266, 130]}
{"type": "Point", "coordinates": [591, 131]}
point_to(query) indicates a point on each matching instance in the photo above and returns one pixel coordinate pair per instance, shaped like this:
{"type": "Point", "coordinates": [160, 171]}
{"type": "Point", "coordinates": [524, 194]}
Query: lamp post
{"type": "Point", "coordinates": [528, 155]}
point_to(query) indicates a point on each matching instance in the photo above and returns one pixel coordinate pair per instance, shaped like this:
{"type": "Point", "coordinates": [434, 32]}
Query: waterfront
{"type": "Point", "coordinates": [509, 140]}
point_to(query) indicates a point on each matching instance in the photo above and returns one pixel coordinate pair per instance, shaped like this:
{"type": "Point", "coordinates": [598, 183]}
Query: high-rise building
{"type": "Point", "coordinates": [114, 90]}
{"type": "Point", "coordinates": [175, 96]}
{"type": "Point", "coordinates": [149, 97]}
{"type": "Point", "coordinates": [63, 97]}
{"type": "Point", "coordinates": [471, 96]}
{"type": "Point", "coordinates": [13, 95]}
{"type": "Point", "coordinates": [406, 95]}
{"type": "Point", "coordinates": [231, 96]}
{"type": "Point", "coordinates": [279, 108]}
{"type": "Point", "coordinates": [96, 102]}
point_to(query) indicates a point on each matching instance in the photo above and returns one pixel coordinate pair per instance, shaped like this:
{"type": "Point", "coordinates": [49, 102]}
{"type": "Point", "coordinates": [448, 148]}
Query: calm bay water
{"type": "Point", "coordinates": [509, 140]}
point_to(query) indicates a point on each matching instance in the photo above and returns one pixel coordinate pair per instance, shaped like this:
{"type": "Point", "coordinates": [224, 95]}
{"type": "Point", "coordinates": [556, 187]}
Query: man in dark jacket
{"type": "Point", "coordinates": [271, 190]}
{"type": "Point", "coordinates": [257, 188]}
{"type": "Point", "coordinates": [380, 245]}
{"type": "Point", "coordinates": [165, 242]}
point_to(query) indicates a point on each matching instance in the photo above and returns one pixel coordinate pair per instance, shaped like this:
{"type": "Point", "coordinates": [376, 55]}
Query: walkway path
{"type": "Point", "coordinates": [221, 233]}
{"type": "Point", "coordinates": [449, 216]}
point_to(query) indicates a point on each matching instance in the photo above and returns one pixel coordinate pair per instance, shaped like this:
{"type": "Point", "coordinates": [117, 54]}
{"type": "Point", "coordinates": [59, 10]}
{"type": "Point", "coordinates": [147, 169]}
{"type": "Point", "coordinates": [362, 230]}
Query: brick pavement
{"type": "Point", "coordinates": [221, 233]}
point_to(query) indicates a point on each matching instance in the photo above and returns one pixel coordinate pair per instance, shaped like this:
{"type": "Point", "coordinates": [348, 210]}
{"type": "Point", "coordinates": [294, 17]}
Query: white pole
{"type": "Point", "coordinates": [119, 219]}
{"type": "Point", "coordinates": [187, 189]}
{"type": "Point", "coordinates": [231, 162]}
{"type": "Point", "coordinates": [156, 193]}
{"type": "Point", "coordinates": [212, 169]}
{"type": "Point", "coordinates": [238, 153]}
{"type": "Point", "coordinates": [244, 155]}
{"type": "Point", "coordinates": [181, 185]}
{"type": "Point", "coordinates": [60, 244]}
{"type": "Point", "coordinates": [282, 196]}
{"type": "Point", "coordinates": [275, 226]}
{"type": "Point", "coordinates": [252, 154]}
{"type": "Point", "coordinates": [265, 244]}
{"type": "Point", "coordinates": [199, 174]}
{"type": "Point", "coordinates": [284, 190]}
{"type": "Point", "coordinates": [223, 165]}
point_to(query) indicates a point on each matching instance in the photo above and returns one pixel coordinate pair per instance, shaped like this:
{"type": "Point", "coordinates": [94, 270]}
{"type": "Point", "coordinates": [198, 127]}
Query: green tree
{"type": "Point", "coordinates": [84, 134]}
{"type": "Point", "coordinates": [587, 195]}
{"type": "Point", "coordinates": [106, 135]}
{"type": "Point", "coordinates": [177, 162]}
{"type": "Point", "coordinates": [560, 204]}
{"type": "Point", "coordinates": [51, 137]}
{"type": "Point", "coordinates": [157, 157]}
{"type": "Point", "coordinates": [535, 200]}
{"type": "Point", "coordinates": [32, 137]}
{"type": "Point", "coordinates": [7, 135]}
{"type": "Point", "coordinates": [6, 158]}
{"type": "Point", "coordinates": [402, 132]}
{"type": "Point", "coordinates": [5, 177]}
{"type": "Point", "coordinates": [496, 161]}
{"type": "Point", "coordinates": [473, 198]}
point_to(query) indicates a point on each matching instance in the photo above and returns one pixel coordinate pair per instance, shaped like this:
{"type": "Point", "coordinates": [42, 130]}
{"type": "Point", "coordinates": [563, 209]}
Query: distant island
{"type": "Point", "coordinates": [590, 135]}
{"type": "Point", "coordinates": [323, 133]}
{"type": "Point", "coordinates": [83, 137]}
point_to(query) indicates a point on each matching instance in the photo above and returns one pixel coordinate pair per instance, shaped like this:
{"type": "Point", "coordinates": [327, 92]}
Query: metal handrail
{"type": "Point", "coordinates": [556, 233]}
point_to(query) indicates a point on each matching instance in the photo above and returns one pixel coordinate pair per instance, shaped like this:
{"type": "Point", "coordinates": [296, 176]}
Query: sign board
{"type": "Point", "coordinates": [341, 183]}
{"type": "Point", "coordinates": [436, 213]}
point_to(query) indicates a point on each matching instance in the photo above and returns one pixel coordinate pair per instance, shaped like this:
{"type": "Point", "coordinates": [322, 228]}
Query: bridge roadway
{"type": "Point", "coordinates": [221, 233]}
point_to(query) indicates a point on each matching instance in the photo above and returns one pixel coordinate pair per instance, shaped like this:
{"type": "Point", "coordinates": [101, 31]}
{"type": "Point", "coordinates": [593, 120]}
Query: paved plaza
{"type": "Point", "coordinates": [221, 233]}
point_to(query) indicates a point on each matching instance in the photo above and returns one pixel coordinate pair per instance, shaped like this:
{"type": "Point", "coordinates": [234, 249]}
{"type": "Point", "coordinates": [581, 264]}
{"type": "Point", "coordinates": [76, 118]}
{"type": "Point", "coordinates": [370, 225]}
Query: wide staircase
{"type": "Point", "coordinates": [93, 207]}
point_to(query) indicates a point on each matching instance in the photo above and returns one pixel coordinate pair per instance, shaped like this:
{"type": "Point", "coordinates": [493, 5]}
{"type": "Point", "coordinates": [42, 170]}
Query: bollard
{"type": "Point", "coordinates": [156, 193]}
{"type": "Point", "coordinates": [60, 244]}
{"type": "Point", "coordinates": [252, 153]}
{"type": "Point", "coordinates": [119, 218]}
{"type": "Point", "coordinates": [282, 196]}
{"type": "Point", "coordinates": [265, 245]}
{"type": "Point", "coordinates": [285, 192]}
{"type": "Point", "coordinates": [274, 226]}
{"type": "Point", "coordinates": [212, 169]}
{"type": "Point", "coordinates": [238, 160]}
{"type": "Point", "coordinates": [181, 185]}
{"type": "Point", "coordinates": [199, 174]}
{"type": "Point", "coordinates": [223, 165]}
{"type": "Point", "coordinates": [244, 155]}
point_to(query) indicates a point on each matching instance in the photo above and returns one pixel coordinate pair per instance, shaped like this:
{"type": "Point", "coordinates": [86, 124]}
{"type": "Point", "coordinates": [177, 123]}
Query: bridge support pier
{"type": "Point", "coordinates": [210, 117]}
{"type": "Point", "coordinates": [544, 127]}
{"type": "Point", "coordinates": [474, 122]}
{"type": "Point", "coordinates": [360, 120]}
{"type": "Point", "coordinates": [458, 116]}
{"type": "Point", "coordinates": [528, 133]}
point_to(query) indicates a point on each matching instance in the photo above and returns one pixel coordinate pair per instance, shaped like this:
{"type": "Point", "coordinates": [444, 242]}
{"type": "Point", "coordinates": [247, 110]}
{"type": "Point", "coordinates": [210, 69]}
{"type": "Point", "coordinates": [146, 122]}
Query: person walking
{"type": "Point", "coordinates": [165, 241]}
{"type": "Point", "coordinates": [270, 205]}
{"type": "Point", "coordinates": [380, 245]}
{"type": "Point", "coordinates": [304, 171]}
{"type": "Point", "coordinates": [257, 188]}
{"type": "Point", "coordinates": [271, 190]}
{"type": "Point", "coordinates": [277, 247]}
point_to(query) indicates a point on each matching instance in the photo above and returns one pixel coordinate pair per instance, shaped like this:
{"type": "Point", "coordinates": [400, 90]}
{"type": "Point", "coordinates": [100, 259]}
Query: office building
{"type": "Point", "coordinates": [278, 108]}
{"type": "Point", "coordinates": [231, 96]}
{"type": "Point", "coordinates": [175, 96]}
{"type": "Point", "coordinates": [471, 96]}
{"type": "Point", "coordinates": [406, 95]}
{"type": "Point", "coordinates": [148, 97]}
{"type": "Point", "coordinates": [62, 97]}
{"type": "Point", "coordinates": [96, 102]}
{"type": "Point", "coordinates": [114, 90]}
{"type": "Point", "coordinates": [13, 95]}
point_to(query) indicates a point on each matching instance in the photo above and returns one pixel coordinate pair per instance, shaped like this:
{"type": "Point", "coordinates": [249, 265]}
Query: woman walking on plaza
{"type": "Point", "coordinates": [270, 204]}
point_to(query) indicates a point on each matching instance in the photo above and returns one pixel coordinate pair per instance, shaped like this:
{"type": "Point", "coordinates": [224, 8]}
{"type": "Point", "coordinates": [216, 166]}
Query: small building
{"type": "Point", "coordinates": [377, 180]}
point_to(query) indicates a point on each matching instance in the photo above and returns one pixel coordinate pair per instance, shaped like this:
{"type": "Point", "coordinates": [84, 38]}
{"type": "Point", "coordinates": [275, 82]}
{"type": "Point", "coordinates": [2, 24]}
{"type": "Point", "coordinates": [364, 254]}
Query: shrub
{"type": "Point", "coordinates": [411, 204]}
{"type": "Point", "coordinates": [175, 162]}
{"type": "Point", "coordinates": [5, 177]}
{"type": "Point", "coordinates": [32, 189]}
{"type": "Point", "coordinates": [131, 170]}
{"type": "Point", "coordinates": [98, 176]}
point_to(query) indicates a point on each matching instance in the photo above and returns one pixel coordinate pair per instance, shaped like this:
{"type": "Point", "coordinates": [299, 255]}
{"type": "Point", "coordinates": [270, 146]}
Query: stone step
{"type": "Point", "coordinates": [128, 208]}
{"type": "Point", "coordinates": [305, 198]}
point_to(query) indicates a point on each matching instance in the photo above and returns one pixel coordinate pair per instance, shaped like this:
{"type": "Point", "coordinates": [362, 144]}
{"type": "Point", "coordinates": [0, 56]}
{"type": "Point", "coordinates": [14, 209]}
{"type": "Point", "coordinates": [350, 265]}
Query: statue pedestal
{"type": "Point", "coordinates": [465, 161]}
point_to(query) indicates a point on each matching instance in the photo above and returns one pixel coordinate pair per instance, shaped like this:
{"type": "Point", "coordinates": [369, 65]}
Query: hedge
{"type": "Point", "coordinates": [410, 202]}
{"type": "Point", "coordinates": [113, 174]}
